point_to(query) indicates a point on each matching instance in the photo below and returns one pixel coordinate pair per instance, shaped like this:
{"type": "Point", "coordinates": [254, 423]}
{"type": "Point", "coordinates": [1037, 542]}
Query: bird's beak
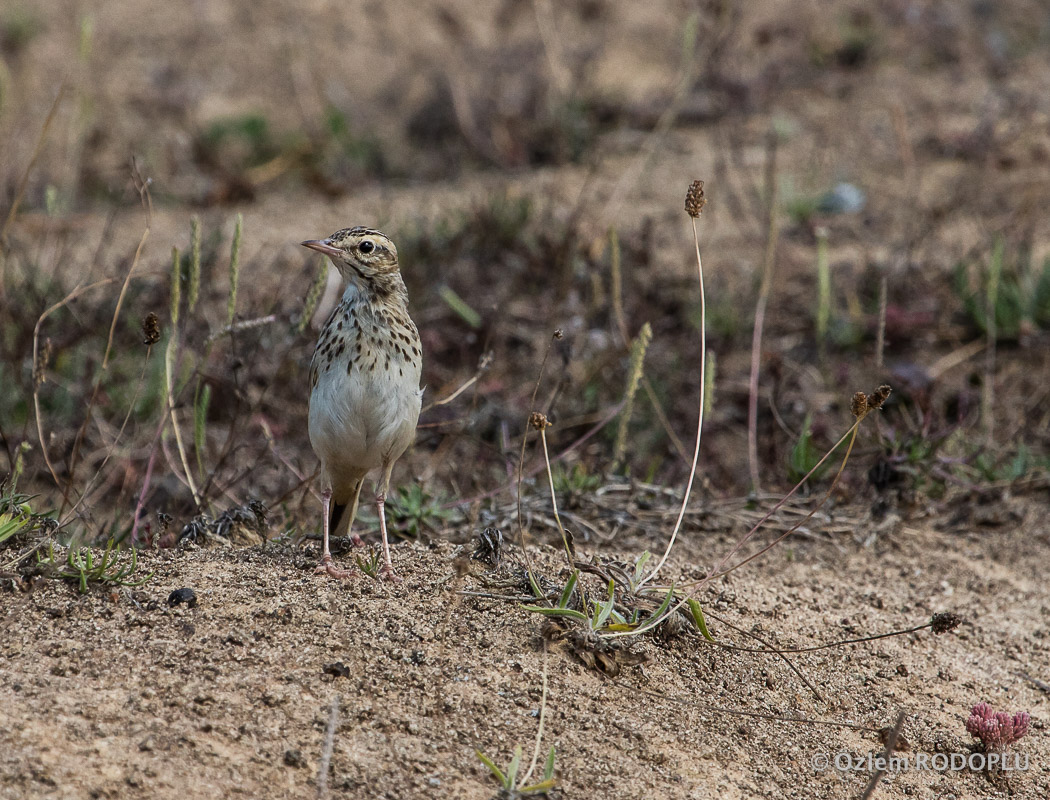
{"type": "Point", "coordinates": [322, 246]}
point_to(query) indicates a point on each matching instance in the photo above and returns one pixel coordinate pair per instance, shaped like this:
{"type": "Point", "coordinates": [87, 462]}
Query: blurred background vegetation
{"type": "Point", "coordinates": [886, 167]}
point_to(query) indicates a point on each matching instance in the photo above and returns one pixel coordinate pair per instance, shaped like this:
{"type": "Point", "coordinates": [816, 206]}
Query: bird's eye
{"type": "Point", "coordinates": [366, 246]}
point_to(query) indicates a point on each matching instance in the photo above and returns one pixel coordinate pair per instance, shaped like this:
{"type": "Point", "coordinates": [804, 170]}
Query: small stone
{"type": "Point", "coordinates": [184, 595]}
{"type": "Point", "coordinates": [293, 758]}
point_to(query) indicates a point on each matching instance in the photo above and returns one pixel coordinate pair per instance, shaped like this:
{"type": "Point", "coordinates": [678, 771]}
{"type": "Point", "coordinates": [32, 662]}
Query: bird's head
{"type": "Point", "coordinates": [362, 255]}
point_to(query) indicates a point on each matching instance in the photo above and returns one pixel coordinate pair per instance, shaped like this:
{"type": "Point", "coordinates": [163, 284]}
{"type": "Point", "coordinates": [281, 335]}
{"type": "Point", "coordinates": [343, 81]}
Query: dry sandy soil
{"type": "Point", "coordinates": [123, 696]}
{"type": "Point", "coordinates": [938, 110]}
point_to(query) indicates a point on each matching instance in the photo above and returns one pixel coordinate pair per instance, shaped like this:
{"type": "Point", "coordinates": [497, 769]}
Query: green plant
{"type": "Point", "coordinates": [575, 481]}
{"type": "Point", "coordinates": [244, 141]}
{"type": "Point", "coordinates": [369, 564]}
{"type": "Point", "coordinates": [414, 508]}
{"type": "Point", "coordinates": [805, 455]}
{"type": "Point", "coordinates": [82, 568]}
{"type": "Point", "coordinates": [13, 523]}
{"type": "Point", "coordinates": [1007, 296]}
{"type": "Point", "coordinates": [508, 779]}
{"type": "Point", "coordinates": [602, 617]}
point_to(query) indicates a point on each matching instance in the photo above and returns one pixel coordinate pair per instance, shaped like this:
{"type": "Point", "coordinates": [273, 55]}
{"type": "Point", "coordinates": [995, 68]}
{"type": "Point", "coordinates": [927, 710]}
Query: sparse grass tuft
{"type": "Point", "coordinates": [413, 508]}
{"type": "Point", "coordinates": [83, 569]}
{"type": "Point", "coordinates": [508, 778]}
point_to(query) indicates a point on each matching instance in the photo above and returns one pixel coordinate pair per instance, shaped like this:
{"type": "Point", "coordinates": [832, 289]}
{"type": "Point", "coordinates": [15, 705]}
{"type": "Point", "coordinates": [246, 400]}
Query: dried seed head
{"type": "Point", "coordinates": [858, 406]}
{"type": "Point", "coordinates": [945, 621]}
{"type": "Point", "coordinates": [538, 421]}
{"type": "Point", "coordinates": [40, 368]}
{"type": "Point", "coordinates": [902, 745]}
{"type": "Point", "coordinates": [879, 396]}
{"type": "Point", "coordinates": [558, 334]}
{"type": "Point", "coordinates": [150, 329]}
{"type": "Point", "coordinates": [694, 199]}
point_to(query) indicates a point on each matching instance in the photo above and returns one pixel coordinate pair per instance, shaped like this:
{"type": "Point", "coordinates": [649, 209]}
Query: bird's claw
{"type": "Point", "coordinates": [387, 573]}
{"type": "Point", "coordinates": [328, 566]}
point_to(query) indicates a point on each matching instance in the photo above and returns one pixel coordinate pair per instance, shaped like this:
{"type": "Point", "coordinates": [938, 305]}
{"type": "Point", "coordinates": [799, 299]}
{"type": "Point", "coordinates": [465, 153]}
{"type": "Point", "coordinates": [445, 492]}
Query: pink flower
{"type": "Point", "coordinates": [996, 730]}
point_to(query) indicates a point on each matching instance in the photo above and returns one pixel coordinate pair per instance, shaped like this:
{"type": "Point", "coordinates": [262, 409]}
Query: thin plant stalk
{"type": "Point", "coordinates": [169, 382]}
{"type": "Point", "coordinates": [521, 457]}
{"type": "Point", "coordinates": [109, 454]}
{"type": "Point", "coordinates": [37, 368]}
{"type": "Point", "coordinates": [235, 271]}
{"type": "Point", "coordinates": [24, 181]}
{"type": "Point", "coordinates": [554, 497]}
{"type": "Point", "coordinates": [700, 417]}
{"type": "Point", "coordinates": [539, 726]}
{"type": "Point", "coordinates": [988, 387]}
{"type": "Point", "coordinates": [823, 291]}
{"type": "Point", "coordinates": [105, 360]}
{"type": "Point", "coordinates": [760, 310]}
{"type": "Point", "coordinates": [692, 588]}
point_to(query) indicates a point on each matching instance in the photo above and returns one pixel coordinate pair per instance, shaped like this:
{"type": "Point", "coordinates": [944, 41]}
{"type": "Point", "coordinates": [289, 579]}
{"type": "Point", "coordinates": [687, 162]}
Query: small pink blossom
{"type": "Point", "coordinates": [996, 730]}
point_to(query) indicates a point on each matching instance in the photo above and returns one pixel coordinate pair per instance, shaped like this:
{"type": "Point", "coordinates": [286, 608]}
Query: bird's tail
{"type": "Point", "coordinates": [341, 514]}
{"type": "Point", "coordinates": [336, 513]}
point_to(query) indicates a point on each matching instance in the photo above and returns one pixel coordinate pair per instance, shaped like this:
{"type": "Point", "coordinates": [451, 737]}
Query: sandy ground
{"type": "Point", "coordinates": [121, 695]}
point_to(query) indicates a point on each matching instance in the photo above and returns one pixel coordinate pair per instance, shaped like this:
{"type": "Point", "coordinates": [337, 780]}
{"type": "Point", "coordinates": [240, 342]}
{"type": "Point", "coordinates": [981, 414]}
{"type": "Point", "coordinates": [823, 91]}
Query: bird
{"type": "Point", "coordinates": [364, 377]}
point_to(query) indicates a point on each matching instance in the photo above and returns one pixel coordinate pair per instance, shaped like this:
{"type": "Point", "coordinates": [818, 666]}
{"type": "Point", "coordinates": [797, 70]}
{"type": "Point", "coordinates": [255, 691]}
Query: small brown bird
{"type": "Point", "coordinates": [365, 397]}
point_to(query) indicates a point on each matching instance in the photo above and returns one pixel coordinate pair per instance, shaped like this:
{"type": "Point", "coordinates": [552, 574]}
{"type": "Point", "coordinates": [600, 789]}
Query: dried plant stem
{"type": "Point", "coordinates": [891, 745]}
{"type": "Point", "coordinates": [554, 499]}
{"type": "Point", "coordinates": [700, 416]}
{"type": "Point", "coordinates": [112, 447]}
{"type": "Point", "coordinates": [326, 749]}
{"type": "Point", "coordinates": [169, 384]}
{"type": "Point", "coordinates": [634, 375]}
{"type": "Point", "coordinates": [539, 727]}
{"type": "Point", "coordinates": [691, 588]}
{"type": "Point", "coordinates": [105, 364]}
{"type": "Point", "coordinates": [760, 310]}
{"type": "Point", "coordinates": [237, 327]}
{"type": "Point", "coordinates": [37, 368]}
{"type": "Point", "coordinates": [141, 502]}
{"type": "Point", "coordinates": [235, 271]}
{"type": "Point", "coordinates": [717, 571]}
{"type": "Point", "coordinates": [988, 384]}
{"type": "Point", "coordinates": [766, 648]}
{"type": "Point", "coordinates": [24, 180]}
{"type": "Point", "coordinates": [483, 364]}
{"type": "Point", "coordinates": [521, 457]}
{"type": "Point", "coordinates": [616, 279]}
{"type": "Point", "coordinates": [880, 337]}
{"type": "Point", "coordinates": [606, 418]}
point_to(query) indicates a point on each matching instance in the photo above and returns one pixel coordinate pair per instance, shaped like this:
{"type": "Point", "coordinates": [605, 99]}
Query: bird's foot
{"type": "Point", "coordinates": [328, 566]}
{"type": "Point", "coordinates": [387, 573]}
{"type": "Point", "coordinates": [357, 541]}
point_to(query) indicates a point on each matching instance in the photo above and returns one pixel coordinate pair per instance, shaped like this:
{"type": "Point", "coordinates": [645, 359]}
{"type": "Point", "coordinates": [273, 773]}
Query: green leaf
{"type": "Point", "coordinates": [538, 788]}
{"type": "Point", "coordinates": [698, 619]}
{"type": "Point", "coordinates": [200, 420]}
{"type": "Point", "coordinates": [535, 586]}
{"type": "Point", "coordinates": [496, 771]}
{"type": "Point", "coordinates": [460, 306]}
{"type": "Point", "coordinates": [515, 765]}
{"type": "Point", "coordinates": [604, 609]}
{"type": "Point", "coordinates": [566, 593]}
{"type": "Point", "coordinates": [548, 765]}
{"type": "Point", "coordinates": [558, 612]}
{"type": "Point", "coordinates": [639, 567]}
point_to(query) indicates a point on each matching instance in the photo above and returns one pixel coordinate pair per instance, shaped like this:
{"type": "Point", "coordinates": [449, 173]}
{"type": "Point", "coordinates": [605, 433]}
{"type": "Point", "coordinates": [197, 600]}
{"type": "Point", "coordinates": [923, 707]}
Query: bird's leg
{"type": "Point", "coordinates": [388, 568]}
{"type": "Point", "coordinates": [355, 540]}
{"type": "Point", "coordinates": [327, 564]}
